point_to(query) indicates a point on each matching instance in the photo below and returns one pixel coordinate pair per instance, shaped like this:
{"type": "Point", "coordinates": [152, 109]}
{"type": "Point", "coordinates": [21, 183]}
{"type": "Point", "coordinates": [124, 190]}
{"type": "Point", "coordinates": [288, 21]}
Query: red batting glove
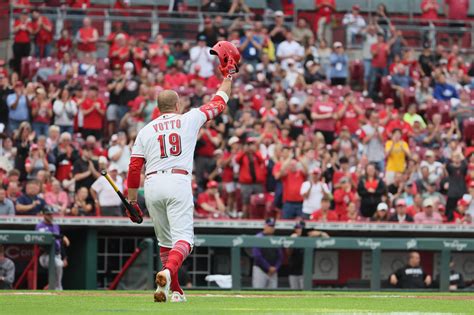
{"type": "Point", "coordinates": [135, 218]}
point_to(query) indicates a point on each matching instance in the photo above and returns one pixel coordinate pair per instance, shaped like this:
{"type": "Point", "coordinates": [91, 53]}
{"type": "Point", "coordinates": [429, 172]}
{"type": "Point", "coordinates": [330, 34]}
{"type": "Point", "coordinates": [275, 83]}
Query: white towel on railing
{"type": "Point", "coordinates": [223, 281]}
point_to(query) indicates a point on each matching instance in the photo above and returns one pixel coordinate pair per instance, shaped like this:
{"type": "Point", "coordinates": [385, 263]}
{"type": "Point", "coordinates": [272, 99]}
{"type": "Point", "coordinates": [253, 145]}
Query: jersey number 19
{"type": "Point", "coordinates": [174, 141]}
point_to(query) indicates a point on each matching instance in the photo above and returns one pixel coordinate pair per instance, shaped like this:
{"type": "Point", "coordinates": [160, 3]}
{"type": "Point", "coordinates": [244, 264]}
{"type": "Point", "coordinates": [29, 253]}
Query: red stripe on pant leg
{"type": "Point", "coordinates": [176, 257]}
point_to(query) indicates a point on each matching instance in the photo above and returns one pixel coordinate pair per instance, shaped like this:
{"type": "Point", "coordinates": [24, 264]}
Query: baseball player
{"type": "Point", "coordinates": [166, 147]}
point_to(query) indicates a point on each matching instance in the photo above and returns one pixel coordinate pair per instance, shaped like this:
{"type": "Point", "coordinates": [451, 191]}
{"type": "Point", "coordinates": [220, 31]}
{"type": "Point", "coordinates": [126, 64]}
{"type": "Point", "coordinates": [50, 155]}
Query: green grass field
{"type": "Point", "coordinates": [225, 302]}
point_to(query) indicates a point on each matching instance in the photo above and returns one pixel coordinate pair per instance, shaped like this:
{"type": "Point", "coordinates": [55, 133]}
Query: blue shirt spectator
{"type": "Point", "coordinates": [6, 205]}
{"type": "Point", "coordinates": [250, 46]}
{"type": "Point", "coordinates": [401, 80]}
{"type": "Point", "coordinates": [444, 91]}
{"type": "Point", "coordinates": [18, 104]}
{"type": "Point", "coordinates": [339, 63]}
{"type": "Point", "coordinates": [29, 203]}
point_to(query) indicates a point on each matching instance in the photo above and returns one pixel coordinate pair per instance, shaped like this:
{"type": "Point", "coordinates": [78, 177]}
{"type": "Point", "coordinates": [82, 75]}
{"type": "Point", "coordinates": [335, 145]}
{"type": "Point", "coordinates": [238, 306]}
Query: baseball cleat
{"type": "Point", "coordinates": [176, 297]}
{"type": "Point", "coordinates": [163, 281]}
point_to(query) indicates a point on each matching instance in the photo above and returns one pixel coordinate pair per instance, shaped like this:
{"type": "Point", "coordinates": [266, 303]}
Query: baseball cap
{"type": "Point", "coordinates": [233, 140]}
{"type": "Point", "coordinates": [251, 140]}
{"type": "Point", "coordinates": [382, 206]}
{"type": "Point", "coordinates": [337, 44]}
{"type": "Point", "coordinates": [294, 100]}
{"type": "Point", "coordinates": [47, 210]}
{"type": "Point", "coordinates": [429, 153]}
{"type": "Point", "coordinates": [112, 168]}
{"type": "Point", "coordinates": [401, 202]}
{"type": "Point", "coordinates": [202, 38]}
{"type": "Point", "coordinates": [19, 84]}
{"type": "Point", "coordinates": [114, 138]}
{"type": "Point", "coordinates": [471, 184]}
{"type": "Point", "coordinates": [212, 184]}
{"type": "Point", "coordinates": [34, 146]}
{"type": "Point", "coordinates": [428, 203]}
{"type": "Point", "coordinates": [270, 222]}
{"type": "Point", "coordinates": [316, 170]}
{"type": "Point", "coordinates": [356, 7]}
{"type": "Point", "coordinates": [248, 87]}
{"type": "Point", "coordinates": [300, 225]}
{"type": "Point", "coordinates": [279, 13]}
{"type": "Point", "coordinates": [389, 101]}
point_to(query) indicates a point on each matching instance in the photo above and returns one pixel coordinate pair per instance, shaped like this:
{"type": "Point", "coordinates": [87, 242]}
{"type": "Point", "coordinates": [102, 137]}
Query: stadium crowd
{"type": "Point", "coordinates": [308, 132]}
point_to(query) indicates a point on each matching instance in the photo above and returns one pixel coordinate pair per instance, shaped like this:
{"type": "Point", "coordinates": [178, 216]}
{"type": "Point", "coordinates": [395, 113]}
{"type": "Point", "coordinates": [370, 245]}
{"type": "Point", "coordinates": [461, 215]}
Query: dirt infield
{"type": "Point", "coordinates": [249, 295]}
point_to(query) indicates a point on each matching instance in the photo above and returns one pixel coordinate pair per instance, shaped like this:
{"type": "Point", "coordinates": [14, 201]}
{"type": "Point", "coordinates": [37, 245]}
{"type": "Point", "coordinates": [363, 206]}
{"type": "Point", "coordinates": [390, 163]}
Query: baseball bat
{"type": "Point", "coordinates": [122, 197]}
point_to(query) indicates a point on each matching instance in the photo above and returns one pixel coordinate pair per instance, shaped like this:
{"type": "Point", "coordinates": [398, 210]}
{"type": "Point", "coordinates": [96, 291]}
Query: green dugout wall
{"type": "Point", "coordinates": [83, 255]}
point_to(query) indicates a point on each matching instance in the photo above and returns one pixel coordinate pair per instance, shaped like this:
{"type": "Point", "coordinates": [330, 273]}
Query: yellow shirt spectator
{"type": "Point", "coordinates": [396, 155]}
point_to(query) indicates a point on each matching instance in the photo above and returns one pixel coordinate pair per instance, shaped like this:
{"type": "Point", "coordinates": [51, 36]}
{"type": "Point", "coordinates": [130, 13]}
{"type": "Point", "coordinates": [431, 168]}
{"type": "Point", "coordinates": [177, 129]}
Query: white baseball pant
{"type": "Point", "coordinates": [169, 200]}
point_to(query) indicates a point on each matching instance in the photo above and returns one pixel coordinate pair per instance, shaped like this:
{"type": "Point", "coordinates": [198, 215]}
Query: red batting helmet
{"type": "Point", "coordinates": [226, 52]}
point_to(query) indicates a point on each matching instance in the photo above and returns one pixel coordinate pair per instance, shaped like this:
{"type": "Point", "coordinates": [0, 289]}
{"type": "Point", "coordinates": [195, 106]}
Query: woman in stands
{"type": "Point", "coordinates": [371, 188]}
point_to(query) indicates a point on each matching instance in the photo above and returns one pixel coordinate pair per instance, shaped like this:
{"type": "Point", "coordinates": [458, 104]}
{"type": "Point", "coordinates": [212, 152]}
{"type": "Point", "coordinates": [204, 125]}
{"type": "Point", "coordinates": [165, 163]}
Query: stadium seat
{"type": "Point", "coordinates": [257, 206]}
{"type": "Point", "coordinates": [356, 69]}
{"type": "Point", "coordinates": [386, 87]}
{"type": "Point", "coordinates": [468, 129]}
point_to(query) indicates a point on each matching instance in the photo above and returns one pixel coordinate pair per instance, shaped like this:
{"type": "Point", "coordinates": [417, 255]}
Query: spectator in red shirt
{"type": "Point", "coordinates": [323, 113]}
{"type": "Point", "coordinates": [348, 113]}
{"type": "Point", "coordinates": [21, 42]}
{"type": "Point", "coordinates": [119, 52]}
{"type": "Point", "coordinates": [208, 141]}
{"type": "Point", "coordinates": [325, 214]}
{"type": "Point", "coordinates": [251, 173]}
{"type": "Point", "coordinates": [344, 170]}
{"type": "Point", "coordinates": [398, 123]}
{"type": "Point", "coordinates": [41, 112]}
{"type": "Point", "coordinates": [210, 204]}
{"type": "Point", "coordinates": [380, 52]}
{"type": "Point", "coordinates": [174, 78]}
{"type": "Point", "coordinates": [460, 215]}
{"type": "Point", "coordinates": [64, 44]}
{"type": "Point", "coordinates": [42, 29]}
{"type": "Point", "coordinates": [429, 13]}
{"type": "Point", "coordinates": [87, 38]}
{"type": "Point", "coordinates": [324, 13]}
{"type": "Point", "coordinates": [292, 174]}
{"type": "Point", "coordinates": [93, 111]}
{"type": "Point", "coordinates": [343, 196]}
{"type": "Point", "coordinates": [225, 163]}
{"type": "Point", "coordinates": [78, 8]}
{"type": "Point", "coordinates": [158, 53]}
{"type": "Point", "coordinates": [386, 114]}
{"type": "Point", "coordinates": [456, 10]}
{"type": "Point", "coordinates": [416, 207]}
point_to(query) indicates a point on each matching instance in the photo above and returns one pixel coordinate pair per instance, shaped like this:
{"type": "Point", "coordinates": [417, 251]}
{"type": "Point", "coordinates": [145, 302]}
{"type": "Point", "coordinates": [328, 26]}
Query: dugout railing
{"type": "Point", "coordinates": [309, 245]}
{"type": "Point", "coordinates": [33, 238]}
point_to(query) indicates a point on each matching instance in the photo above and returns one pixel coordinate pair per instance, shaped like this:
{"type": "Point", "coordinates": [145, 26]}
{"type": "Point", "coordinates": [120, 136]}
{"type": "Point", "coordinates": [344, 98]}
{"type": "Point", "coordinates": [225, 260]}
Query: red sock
{"type": "Point", "coordinates": [175, 287]}
{"type": "Point", "coordinates": [176, 257]}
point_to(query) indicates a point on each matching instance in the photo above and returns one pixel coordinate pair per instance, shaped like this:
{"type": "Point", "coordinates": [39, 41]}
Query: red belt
{"type": "Point", "coordinates": [173, 171]}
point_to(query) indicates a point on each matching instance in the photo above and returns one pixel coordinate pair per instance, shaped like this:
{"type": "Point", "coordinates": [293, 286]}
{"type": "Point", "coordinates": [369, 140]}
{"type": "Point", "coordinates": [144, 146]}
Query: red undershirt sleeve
{"type": "Point", "coordinates": [134, 171]}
